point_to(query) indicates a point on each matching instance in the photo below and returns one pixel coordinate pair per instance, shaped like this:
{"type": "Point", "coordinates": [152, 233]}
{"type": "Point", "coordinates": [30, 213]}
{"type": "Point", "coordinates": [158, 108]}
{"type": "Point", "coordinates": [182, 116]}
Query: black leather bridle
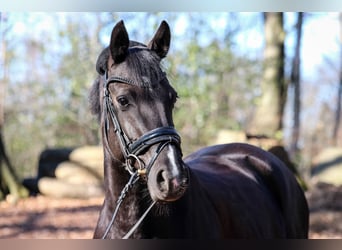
{"type": "Point", "coordinates": [131, 149]}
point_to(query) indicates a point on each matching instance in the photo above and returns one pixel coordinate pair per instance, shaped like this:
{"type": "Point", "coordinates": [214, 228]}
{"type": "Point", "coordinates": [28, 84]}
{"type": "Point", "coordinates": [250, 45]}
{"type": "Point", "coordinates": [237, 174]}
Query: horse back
{"type": "Point", "coordinates": [261, 194]}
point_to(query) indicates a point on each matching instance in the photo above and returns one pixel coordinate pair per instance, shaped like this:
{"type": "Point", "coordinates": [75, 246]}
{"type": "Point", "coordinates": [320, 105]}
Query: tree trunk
{"type": "Point", "coordinates": [336, 135]}
{"type": "Point", "coordinates": [295, 81]}
{"type": "Point", "coordinates": [267, 120]}
{"type": "Point", "coordinates": [9, 182]}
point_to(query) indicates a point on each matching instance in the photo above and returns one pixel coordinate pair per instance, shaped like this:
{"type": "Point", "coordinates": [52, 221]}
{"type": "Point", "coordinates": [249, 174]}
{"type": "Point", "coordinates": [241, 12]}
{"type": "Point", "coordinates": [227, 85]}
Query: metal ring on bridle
{"type": "Point", "coordinates": [141, 170]}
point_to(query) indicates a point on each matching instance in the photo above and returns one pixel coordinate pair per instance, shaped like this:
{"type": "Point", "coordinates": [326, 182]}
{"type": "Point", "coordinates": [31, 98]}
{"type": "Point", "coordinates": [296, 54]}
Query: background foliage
{"type": "Point", "coordinates": [49, 66]}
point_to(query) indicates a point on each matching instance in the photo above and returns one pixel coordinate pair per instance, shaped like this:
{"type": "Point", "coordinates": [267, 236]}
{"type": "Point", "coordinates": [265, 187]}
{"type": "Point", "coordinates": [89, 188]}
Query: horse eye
{"type": "Point", "coordinates": [123, 101]}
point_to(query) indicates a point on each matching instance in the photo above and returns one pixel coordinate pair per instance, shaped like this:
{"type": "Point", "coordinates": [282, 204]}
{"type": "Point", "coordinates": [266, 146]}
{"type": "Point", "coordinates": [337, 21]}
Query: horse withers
{"type": "Point", "coordinates": [223, 191]}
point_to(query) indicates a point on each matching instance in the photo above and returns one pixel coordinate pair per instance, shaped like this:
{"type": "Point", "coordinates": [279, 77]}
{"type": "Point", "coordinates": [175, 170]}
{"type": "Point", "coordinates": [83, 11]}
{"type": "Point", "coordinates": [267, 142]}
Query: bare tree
{"type": "Point", "coordinates": [9, 182]}
{"type": "Point", "coordinates": [295, 81]}
{"type": "Point", "coordinates": [267, 119]}
{"type": "Point", "coordinates": [337, 123]}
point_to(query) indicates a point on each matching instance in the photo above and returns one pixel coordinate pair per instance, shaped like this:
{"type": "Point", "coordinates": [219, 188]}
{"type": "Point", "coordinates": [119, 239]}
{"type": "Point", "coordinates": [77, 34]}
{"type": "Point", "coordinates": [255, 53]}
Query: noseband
{"type": "Point", "coordinates": [131, 149]}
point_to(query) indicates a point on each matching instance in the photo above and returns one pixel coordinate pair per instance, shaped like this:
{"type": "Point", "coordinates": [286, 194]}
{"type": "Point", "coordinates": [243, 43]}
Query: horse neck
{"type": "Point", "coordinates": [116, 177]}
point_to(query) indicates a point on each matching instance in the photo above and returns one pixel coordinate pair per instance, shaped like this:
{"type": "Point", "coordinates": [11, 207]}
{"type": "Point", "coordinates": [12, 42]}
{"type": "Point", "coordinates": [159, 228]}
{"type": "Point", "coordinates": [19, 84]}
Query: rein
{"type": "Point", "coordinates": [131, 149]}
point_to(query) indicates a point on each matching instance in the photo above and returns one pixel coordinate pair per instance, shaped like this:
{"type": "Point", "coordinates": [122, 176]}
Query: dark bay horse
{"type": "Point", "coordinates": [224, 191]}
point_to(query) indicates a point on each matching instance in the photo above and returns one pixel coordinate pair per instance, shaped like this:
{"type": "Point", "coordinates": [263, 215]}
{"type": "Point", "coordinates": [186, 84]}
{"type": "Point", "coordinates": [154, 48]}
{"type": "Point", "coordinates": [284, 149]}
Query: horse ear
{"type": "Point", "coordinates": [160, 43]}
{"type": "Point", "coordinates": [119, 42]}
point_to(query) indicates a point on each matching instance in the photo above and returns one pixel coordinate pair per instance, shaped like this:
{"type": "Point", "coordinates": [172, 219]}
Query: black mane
{"type": "Point", "coordinates": [94, 98]}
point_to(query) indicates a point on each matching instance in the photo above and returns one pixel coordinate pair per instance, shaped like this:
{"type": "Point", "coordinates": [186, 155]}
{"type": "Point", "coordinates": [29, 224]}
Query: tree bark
{"type": "Point", "coordinates": [267, 119]}
{"type": "Point", "coordinates": [295, 81]}
{"type": "Point", "coordinates": [9, 182]}
{"type": "Point", "coordinates": [336, 135]}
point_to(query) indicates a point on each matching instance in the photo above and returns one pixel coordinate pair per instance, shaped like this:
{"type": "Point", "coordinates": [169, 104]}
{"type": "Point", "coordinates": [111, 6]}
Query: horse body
{"type": "Point", "coordinates": [223, 191]}
{"type": "Point", "coordinates": [236, 191]}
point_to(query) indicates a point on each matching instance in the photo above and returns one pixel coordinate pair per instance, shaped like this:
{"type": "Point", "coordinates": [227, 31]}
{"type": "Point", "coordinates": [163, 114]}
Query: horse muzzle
{"type": "Point", "coordinates": [168, 182]}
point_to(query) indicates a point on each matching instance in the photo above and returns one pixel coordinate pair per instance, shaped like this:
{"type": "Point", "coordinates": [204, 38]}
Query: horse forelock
{"type": "Point", "coordinates": [141, 67]}
{"type": "Point", "coordinates": [146, 71]}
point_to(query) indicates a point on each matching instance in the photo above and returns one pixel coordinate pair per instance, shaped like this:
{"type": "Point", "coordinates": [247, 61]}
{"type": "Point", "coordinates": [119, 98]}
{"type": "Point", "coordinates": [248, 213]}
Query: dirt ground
{"type": "Point", "coordinates": [47, 218]}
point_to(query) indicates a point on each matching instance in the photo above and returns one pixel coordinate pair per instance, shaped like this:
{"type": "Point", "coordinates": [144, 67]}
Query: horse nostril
{"type": "Point", "coordinates": [165, 187]}
{"type": "Point", "coordinates": [161, 181]}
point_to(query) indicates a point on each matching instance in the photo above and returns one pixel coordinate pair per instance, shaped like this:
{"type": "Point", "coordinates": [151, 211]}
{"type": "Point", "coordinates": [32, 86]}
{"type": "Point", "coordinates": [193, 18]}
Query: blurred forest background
{"type": "Point", "coordinates": [217, 63]}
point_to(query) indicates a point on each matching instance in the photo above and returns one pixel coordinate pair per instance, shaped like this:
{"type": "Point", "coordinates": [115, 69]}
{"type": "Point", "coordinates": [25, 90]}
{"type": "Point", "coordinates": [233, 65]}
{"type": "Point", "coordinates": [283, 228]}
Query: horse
{"type": "Point", "coordinates": [151, 191]}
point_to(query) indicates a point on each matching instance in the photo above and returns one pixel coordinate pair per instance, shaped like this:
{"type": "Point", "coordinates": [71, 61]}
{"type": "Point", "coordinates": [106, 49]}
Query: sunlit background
{"type": "Point", "coordinates": [216, 64]}
{"type": "Point", "coordinates": [47, 66]}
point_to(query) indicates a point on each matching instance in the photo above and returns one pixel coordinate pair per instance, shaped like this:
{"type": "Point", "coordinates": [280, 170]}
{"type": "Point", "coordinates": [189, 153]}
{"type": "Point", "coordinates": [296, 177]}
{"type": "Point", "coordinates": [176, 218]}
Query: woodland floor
{"type": "Point", "coordinates": [47, 218]}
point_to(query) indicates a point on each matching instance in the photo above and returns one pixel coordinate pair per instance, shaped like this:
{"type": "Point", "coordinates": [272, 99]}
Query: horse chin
{"type": "Point", "coordinates": [166, 198]}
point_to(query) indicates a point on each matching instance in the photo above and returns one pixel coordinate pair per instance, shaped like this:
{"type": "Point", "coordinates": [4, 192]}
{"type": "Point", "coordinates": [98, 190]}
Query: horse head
{"type": "Point", "coordinates": [136, 112]}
